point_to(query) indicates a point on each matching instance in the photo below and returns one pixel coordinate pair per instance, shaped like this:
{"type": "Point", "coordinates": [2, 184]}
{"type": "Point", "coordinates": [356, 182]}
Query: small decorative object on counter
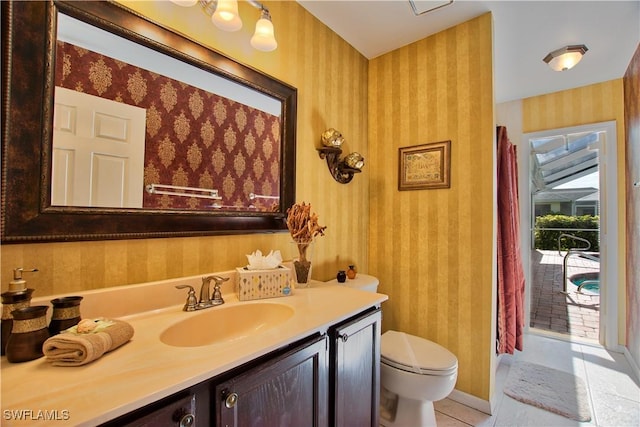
{"type": "Point", "coordinates": [18, 296]}
{"type": "Point", "coordinates": [341, 276]}
{"type": "Point", "coordinates": [66, 313]}
{"type": "Point", "coordinates": [351, 272]}
{"type": "Point", "coordinates": [28, 334]}
{"type": "Point", "coordinates": [303, 226]}
{"type": "Point", "coordinates": [12, 301]}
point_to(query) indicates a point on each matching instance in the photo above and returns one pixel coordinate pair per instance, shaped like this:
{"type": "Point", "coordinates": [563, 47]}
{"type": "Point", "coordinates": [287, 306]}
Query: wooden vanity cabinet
{"type": "Point", "coordinates": [289, 390]}
{"type": "Point", "coordinates": [329, 379]}
{"type": "Point", "coordinates": [188, 408]}
{"type": "Point", "coordinates": [355, 371]}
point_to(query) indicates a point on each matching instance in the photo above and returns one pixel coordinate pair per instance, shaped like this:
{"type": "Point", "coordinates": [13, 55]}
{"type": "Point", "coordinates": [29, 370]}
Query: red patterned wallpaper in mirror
{"type": "Point", "coordinates": [194, 138]}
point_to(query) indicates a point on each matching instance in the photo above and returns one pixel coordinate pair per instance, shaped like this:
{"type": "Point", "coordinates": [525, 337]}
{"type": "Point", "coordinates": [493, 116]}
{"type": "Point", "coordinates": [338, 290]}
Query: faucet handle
{"type": "Point", "coordinates": [217, 294]}
{"type": "Point", "coordinates": [192, 301]}
{"type": "Point", "coordinates": [218, 279]}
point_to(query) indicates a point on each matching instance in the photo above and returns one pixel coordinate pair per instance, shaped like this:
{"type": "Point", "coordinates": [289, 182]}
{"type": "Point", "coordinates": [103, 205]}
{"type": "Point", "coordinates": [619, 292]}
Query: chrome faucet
{"type": "Point", "coordinates": [206, 299]}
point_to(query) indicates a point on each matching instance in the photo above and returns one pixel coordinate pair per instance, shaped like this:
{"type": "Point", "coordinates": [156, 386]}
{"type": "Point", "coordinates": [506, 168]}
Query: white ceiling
{"type": "Point", "coordinates": [525, 31]}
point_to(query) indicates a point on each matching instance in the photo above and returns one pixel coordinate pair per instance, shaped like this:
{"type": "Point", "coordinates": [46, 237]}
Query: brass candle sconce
{"type": "Point", "coordinates": [342, 170]}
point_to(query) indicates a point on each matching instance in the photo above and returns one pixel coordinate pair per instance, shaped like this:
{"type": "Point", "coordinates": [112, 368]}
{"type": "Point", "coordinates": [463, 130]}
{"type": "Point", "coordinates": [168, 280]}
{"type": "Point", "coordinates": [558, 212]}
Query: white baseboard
{"type": "Point", "coordinates": [470, 401]}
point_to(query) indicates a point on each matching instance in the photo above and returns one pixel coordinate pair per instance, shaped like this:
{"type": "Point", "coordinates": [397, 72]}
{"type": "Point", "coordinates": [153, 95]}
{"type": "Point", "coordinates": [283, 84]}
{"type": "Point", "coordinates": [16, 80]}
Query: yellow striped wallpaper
{"type": "Point", "coordinates": [331, 78]}
{"type": "Point", "coordinates": [433, 249]}
{"type": "Point", "coordinates": [594, 103]}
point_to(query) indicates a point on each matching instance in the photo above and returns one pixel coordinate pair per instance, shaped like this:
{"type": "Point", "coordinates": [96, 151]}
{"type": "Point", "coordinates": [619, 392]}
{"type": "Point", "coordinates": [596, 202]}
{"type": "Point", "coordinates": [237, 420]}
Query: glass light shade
{"type": "Point", "coordinates": [184, 3]}
{"type": "Point", "coordinates": [565, 61]}
{"type": "Point", "coordinates": [565, 58]}
{"type": "Point", "coordinates": [263, 39]}
{"type": "Point", "coordinates": [226, 16]}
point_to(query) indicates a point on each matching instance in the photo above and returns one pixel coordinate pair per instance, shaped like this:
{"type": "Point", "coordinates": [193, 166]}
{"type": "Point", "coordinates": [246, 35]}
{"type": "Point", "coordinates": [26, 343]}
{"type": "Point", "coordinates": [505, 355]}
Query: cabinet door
{"type": "Point", "coordinates": [290, 390]}
{"type": "Point", "coordinates": [355, 371]}
{"type": "Point", "coordinates": [188, 408]}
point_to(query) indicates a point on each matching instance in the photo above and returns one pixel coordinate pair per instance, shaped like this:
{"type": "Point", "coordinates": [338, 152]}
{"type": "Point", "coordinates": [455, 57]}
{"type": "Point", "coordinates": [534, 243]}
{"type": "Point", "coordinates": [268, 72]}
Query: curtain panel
{"type": "Point", "coordinates": [510, 270]}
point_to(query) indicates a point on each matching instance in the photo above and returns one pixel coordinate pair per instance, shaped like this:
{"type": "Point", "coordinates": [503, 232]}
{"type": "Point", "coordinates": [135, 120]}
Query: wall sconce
{"type": "Point", "coordinates": [566, 57]}
{"type": "Point", "coordinates": [341, 170]}
{"type": "Point", "coordinates": [224, 15]}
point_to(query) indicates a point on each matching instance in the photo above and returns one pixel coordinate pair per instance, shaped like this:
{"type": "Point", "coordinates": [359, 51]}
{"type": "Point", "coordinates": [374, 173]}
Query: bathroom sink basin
{"type": "Point", "coordinates": [225, 323]}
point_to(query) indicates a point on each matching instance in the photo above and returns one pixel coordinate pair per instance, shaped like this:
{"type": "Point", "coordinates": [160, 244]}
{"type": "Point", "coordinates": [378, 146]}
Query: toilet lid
{"type": "Point", "coordinates": [415, 354]}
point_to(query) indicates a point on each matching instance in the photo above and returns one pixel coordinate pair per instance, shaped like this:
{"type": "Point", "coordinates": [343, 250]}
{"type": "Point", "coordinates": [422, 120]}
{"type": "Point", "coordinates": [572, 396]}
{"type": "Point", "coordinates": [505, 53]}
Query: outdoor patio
{"type": "Point", "coordinates": [573, 313]}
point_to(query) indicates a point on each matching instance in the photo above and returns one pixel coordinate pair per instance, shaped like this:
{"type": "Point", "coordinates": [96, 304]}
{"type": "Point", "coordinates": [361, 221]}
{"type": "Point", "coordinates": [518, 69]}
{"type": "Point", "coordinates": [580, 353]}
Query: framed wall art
{"type": "Point", "coordinates": [425, 166]}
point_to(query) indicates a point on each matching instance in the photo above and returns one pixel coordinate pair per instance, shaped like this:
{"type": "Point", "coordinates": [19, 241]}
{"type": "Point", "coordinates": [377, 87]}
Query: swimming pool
{"type": "Point", "coordinates": [587, 282]}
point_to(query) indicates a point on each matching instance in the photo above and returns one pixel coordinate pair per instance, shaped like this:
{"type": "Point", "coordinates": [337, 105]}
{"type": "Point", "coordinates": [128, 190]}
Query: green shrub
{"type": "Point", "coordinates": [548, 239]}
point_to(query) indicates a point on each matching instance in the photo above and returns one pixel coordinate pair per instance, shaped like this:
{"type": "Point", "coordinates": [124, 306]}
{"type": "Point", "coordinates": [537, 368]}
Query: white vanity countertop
{"type": "Point", "coordinates": [145, 369]}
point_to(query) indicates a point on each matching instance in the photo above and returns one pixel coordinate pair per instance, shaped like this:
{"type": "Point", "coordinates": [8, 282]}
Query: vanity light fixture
{"type": "Point", "coordinates": [566, 57]}
{"type": "Point", "coordinates": [341, 170]}
{"type": "Point", "coordinates": [224, 15]}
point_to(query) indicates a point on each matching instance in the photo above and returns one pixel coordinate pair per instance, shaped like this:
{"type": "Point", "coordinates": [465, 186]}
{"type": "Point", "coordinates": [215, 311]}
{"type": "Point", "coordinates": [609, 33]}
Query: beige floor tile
{"type": "Point", "coordinates": [613, 389]}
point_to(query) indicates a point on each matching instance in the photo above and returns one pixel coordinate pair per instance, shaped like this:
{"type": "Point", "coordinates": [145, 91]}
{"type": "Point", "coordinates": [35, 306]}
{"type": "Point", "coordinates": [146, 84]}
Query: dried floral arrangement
{"type": "Point", "coordinates": [304, 227]}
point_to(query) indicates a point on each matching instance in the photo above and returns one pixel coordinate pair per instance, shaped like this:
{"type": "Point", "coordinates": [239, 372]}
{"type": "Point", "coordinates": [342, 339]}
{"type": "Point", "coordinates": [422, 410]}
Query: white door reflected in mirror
{"type": "Point", "coordinates": [98, 152]}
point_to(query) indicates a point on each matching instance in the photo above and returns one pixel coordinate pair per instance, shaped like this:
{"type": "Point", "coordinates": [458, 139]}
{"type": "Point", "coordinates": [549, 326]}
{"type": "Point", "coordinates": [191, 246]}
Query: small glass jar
{"type": "Point", "coordinates": [28, 334]}
{"type": "Point", "coordinates": [351, 272]}
{"type": "Point", "coordinates": [341, 276]}
{"type": "Point", "coordinates": [66, 313]}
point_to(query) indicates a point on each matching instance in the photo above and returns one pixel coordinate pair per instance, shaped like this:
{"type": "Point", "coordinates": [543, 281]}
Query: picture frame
{"type": "Point", "coordinates": [425, 166]}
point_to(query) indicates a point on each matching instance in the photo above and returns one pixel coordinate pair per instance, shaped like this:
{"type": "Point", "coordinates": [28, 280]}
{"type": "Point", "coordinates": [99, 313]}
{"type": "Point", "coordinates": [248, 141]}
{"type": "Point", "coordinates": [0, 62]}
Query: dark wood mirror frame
{"type": "Point", "coordinates": [28, 37]}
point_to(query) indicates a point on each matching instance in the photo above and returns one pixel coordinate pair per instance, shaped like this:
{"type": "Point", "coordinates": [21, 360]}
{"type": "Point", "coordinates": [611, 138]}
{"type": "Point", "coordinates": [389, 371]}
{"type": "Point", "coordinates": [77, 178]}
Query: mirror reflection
{"type": "Point", "coordinates": [134, 128]}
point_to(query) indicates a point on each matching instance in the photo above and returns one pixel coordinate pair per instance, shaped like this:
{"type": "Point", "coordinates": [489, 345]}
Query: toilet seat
{"type": "Point", "coordinates": [416, 355]}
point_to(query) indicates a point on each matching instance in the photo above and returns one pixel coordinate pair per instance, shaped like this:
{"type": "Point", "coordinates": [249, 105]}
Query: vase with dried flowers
{"type": "Point", "coordinates": [303, 226]}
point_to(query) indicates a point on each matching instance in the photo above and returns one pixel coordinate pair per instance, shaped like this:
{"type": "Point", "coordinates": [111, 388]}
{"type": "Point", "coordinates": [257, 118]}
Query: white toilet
{"type": "Point", "coordinates": [414, 373]}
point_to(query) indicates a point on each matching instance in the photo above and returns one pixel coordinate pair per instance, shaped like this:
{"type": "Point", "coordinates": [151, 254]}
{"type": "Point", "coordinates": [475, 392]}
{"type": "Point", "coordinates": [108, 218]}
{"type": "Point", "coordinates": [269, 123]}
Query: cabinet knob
{"type": "Point", "coordinates": [187, 421]}
{"type": "Point", "coordinates": [184, 418]}
{"type": "Point", "coordinates": [343, 337]}
{"type": "Point", "coordinates": [231, 400]}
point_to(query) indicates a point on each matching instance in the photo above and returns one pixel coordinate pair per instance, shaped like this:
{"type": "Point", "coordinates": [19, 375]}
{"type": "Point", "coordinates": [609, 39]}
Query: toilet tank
{"type": "Point", "coordinates": [363, 282]}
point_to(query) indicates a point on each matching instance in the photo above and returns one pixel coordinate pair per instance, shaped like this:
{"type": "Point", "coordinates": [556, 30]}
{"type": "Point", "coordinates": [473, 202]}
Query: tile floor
{"type": "Point", "coordinates": [614, 391]}
{"type": "Point", "coordinates": [573, 313]}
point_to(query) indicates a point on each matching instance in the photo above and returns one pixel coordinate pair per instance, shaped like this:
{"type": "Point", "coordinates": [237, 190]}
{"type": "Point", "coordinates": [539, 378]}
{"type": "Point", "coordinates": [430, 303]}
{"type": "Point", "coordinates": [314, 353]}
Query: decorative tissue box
{"type": "Point", "coordinates": [259, 284]}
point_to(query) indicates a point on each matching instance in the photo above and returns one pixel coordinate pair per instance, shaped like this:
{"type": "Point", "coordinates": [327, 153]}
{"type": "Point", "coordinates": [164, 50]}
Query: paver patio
{"type": "Point", "coordinates": [572, 313]}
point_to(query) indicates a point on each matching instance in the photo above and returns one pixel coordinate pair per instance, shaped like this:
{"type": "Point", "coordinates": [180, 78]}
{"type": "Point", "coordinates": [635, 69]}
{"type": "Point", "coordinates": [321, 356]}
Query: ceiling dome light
{"type": "Point", "coordinates": [263, 39]}
{"type": "Point", "coordinates": [566, 57]}
{"type": "Point", "coordinates": [226, 16]}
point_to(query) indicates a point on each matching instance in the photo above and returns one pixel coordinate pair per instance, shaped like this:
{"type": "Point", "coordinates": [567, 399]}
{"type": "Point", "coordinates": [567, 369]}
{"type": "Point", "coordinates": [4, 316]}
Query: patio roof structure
{"type": "Point", "coordinates": [560, 159]}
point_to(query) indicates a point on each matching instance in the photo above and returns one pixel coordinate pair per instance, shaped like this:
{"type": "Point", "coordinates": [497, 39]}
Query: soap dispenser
{"type": "Point", "coordinates": [18, 296]}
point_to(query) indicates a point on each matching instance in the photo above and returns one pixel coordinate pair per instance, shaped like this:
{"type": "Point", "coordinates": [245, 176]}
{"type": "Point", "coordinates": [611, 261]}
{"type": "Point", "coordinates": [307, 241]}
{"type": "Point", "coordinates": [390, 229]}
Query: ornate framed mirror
{"type": "Point", "coordinates": [244, 192]}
